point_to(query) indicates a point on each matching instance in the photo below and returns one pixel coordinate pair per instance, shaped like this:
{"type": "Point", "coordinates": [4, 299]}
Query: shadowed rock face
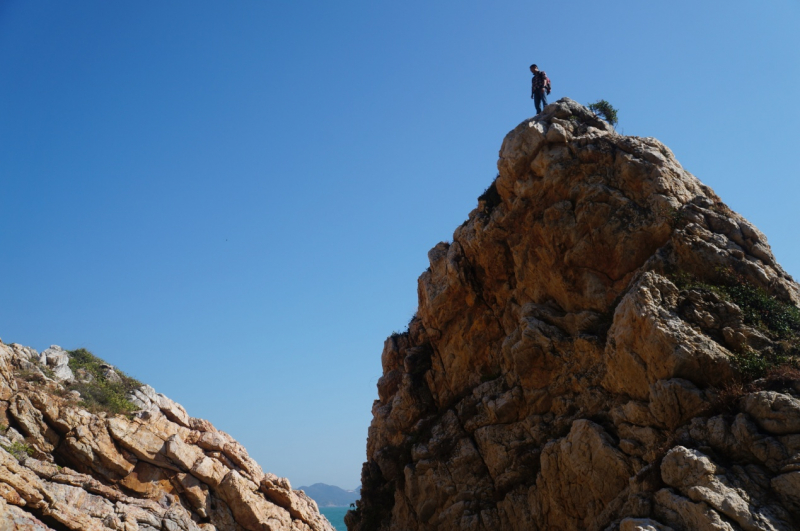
{"type": "Point", "coordinates": [63, 467]}
{"type": "Point", "coordinates": [557, 377]}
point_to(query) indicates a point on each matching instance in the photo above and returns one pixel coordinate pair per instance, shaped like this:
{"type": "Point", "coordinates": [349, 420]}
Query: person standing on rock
{"type": "Point", "coordinates": [540, 88]}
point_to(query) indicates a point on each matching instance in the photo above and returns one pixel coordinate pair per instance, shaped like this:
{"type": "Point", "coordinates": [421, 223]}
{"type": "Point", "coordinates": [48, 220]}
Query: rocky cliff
{"type": "Point", "coordinates": [67, 461]}
{"type": "Point", "coordinates": [604, 345]}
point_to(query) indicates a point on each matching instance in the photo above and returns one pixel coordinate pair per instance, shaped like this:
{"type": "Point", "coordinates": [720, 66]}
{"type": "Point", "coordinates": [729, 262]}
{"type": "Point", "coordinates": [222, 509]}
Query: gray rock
{"type": "Point", "coordinates": [112, 376]}
{"type": "Point", "coordinates": [702, 481]}
{"type": "Point", "coordinates": [84, 376]}
{"type": "Point", "coordinates": [776, 413]}
{"type": "Point", "coordinates": [13, 518]}
{"type": "Point", "coordinates": [787, 486]}
{"type": "Point", "coordinates": [642, 524]}
{"type": "Point", "coordinates": [57, 359]}
{"type": "Point", "coordinates": [557, 133]}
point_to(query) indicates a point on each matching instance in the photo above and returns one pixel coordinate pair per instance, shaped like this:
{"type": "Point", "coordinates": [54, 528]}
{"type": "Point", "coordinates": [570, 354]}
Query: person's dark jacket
{"type": "Point", "coordinates": [539, 82]}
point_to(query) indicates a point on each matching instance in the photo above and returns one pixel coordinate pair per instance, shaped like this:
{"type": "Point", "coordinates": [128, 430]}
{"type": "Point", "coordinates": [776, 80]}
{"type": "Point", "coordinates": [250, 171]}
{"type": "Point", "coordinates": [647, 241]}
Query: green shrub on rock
{"type": "Point", "coordinates": [604, 109]}
{"type": "Point", "coordinates": [101, 391]}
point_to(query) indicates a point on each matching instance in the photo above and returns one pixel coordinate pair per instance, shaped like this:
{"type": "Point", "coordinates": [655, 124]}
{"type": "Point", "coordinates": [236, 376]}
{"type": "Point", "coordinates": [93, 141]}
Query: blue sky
{"type": "Point", "coordinates": [232, 201]}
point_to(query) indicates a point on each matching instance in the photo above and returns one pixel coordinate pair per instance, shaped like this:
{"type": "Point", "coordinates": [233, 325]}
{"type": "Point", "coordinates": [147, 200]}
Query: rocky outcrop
{"type": "Point", "coordinates": [584, 352]}
{"type": "Point", "coordinates": [158, 469]}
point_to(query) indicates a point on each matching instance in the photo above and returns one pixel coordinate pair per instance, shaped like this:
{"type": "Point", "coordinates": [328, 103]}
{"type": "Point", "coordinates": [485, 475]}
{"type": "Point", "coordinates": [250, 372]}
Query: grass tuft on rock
{"type": "Point", "coordinates": [18, 449]}
{"type": "Point", "coordinates": [101, 393]}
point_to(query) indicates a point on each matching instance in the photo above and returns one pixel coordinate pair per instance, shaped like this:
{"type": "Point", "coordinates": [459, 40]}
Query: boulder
{"type": "Point", "coordinates": [57, 359]}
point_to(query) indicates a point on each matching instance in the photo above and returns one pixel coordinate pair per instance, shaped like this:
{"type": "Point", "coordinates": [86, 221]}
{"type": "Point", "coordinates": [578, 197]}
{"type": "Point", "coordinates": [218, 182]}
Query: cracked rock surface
{"type": "Point", "coordinates": [559, 375]}
{"type": "Point", "coordinates": [65, 468]}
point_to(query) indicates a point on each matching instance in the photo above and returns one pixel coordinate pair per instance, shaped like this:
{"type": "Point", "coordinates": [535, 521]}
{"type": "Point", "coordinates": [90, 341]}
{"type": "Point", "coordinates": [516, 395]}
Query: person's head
{"type": "Point", "coordinates": [534, 69]}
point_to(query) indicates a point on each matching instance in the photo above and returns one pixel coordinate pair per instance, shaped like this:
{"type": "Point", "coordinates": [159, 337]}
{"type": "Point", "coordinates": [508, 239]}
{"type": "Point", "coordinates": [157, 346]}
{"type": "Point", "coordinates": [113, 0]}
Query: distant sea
{"type": "Point", "coordinates": [335, 515]}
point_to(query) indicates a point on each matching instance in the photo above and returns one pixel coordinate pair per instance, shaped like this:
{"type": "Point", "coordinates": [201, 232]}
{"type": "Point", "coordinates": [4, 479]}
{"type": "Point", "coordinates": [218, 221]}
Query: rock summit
{"type": "Point", "coordinates": [604, 345]}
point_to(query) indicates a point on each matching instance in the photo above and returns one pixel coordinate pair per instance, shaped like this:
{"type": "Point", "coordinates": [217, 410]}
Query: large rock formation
{"type": "Point", "coordinates": [157, 469]}
{"type": "Point", "coordinates": [604, 345]}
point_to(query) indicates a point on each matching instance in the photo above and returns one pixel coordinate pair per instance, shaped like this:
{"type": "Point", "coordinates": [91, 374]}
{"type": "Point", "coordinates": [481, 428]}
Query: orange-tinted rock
{"type": "Point", "coordinates": [554, 359]}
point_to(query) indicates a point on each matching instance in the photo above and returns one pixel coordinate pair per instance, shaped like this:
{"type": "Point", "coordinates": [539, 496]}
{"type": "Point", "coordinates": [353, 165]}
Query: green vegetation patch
{"type": "Point", "coordinates": [604, 109]}
{"type": "Point", "coordinates": [764, 311]}
{"type": "Point", "coordinates": [754, 365]}
{"type": "Point", "coordinates": [776, 319]}
{"type": "Point", "coordinates": [101, 393]}
{"type": "Point", "coordinates": [18, 449]}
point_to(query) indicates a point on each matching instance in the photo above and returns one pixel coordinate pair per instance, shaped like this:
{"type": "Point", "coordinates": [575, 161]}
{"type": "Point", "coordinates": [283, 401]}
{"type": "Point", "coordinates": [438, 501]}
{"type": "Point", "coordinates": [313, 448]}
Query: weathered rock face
{"type": "Point", "coordinates": [561, 375]}
{"type": "Point", "coordinates": [63, 467]}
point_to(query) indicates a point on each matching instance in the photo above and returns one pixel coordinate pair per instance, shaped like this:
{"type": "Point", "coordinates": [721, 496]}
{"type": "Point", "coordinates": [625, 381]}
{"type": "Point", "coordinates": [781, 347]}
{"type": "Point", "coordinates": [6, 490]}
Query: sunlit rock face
{"type": "Point", "coordinates": [153, 469]}
{"type": "Point", "coordinates": [586, 355]}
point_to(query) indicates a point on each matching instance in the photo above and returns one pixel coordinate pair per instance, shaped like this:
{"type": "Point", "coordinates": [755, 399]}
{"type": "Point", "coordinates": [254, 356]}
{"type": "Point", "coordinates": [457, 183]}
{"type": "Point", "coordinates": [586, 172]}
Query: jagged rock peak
{"type": "Point", "coordinates": [604, 345]}
{"type": "Point", "coordinates": [63, 466]}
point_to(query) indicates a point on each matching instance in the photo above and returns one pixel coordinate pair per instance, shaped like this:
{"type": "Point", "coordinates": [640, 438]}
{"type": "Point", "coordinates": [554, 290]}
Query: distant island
{"type": "Point", "coordinates": [331, 495]}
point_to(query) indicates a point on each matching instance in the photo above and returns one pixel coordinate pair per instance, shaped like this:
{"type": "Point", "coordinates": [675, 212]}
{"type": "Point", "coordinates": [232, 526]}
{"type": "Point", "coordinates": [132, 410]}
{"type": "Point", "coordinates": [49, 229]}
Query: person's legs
{"type": "Point", "coordinates": [537, 100]}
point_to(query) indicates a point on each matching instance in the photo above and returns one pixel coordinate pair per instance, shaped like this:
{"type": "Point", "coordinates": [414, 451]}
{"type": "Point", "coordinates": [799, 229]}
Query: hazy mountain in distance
{"type": "Point", "coordinates": [331, 495]}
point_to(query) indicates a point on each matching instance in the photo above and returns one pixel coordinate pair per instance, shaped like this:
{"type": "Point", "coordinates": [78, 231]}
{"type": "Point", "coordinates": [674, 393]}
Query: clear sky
{"type": "Point", "coordinates": [232, 201]}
